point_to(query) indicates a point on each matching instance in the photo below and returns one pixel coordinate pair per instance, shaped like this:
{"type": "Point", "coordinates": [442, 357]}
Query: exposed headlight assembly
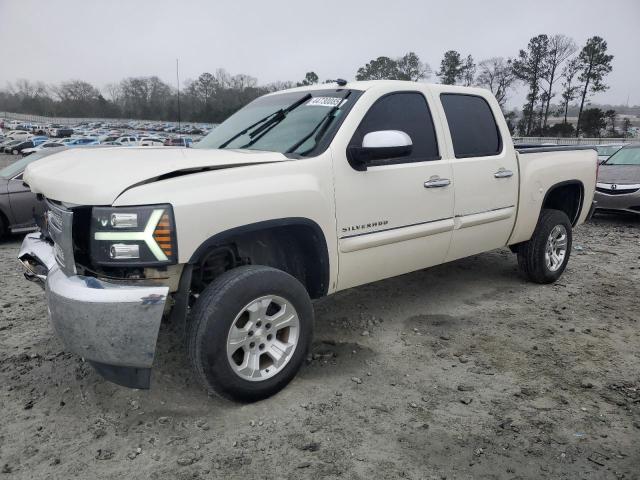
{"type": "Point", "coordinates": [133, 236]}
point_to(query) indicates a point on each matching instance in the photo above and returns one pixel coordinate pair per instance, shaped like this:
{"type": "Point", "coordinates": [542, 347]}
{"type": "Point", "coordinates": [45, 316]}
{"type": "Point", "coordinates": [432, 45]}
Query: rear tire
{"type": "Point", "coordinates": [239, 341]}
{"type": "Point", "coordinates": [545, 256]}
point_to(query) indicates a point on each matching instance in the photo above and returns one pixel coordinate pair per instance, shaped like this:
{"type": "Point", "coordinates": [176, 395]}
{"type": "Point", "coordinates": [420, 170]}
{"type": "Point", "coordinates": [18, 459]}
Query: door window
{"type": "Point", "coordinates": [409, 113]}
{"type": "Point", "coordinates": [473, 128]}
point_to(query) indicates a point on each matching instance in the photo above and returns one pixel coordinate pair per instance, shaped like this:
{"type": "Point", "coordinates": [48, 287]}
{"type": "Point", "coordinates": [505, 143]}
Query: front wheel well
{"type": "Point", "coordinates": [299, 249]}
{"type": "Point", "coordinates": [566, 197]}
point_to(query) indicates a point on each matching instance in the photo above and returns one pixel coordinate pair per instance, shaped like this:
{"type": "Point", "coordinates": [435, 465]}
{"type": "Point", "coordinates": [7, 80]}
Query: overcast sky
{"type": "Point", "coordinates": [105, 41]}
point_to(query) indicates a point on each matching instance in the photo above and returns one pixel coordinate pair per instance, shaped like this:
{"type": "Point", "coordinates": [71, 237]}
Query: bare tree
{"type": "Point", "coordinates": [497, 75]}
{"type": "Point", "coordinates": [560, 49]}
{"type": "Point", "coordinates": [113, 92]}
{"type": "Point", "coordinates": [279, 85]}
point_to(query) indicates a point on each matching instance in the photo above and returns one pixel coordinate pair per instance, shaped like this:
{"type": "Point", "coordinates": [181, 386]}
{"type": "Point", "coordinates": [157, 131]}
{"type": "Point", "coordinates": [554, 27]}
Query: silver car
{"type": "Point", "coordinates": [618, 185]}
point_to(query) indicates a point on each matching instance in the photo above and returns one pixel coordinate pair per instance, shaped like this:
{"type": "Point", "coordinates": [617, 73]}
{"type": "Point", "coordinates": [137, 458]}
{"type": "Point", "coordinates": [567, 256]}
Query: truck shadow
{"type": "Point", "coordinates": [616, 219]}
{"type": "Point", "coordinates": [350, 326]}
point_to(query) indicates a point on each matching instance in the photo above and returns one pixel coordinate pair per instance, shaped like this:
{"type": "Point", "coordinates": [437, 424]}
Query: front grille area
{"type": "Point", "coordinates": [618, 190]}
{"type": "Point", "coordinates": [59, 229]}
{"type": "Point", "coordinates": [607, 191]}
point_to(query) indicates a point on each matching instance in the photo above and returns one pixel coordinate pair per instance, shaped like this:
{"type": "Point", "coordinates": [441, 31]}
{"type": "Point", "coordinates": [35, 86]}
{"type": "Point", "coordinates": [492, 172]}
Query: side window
{"type": "Point", "coordinates": [473, 128]}
{"type": "Point", "coordinates": [409, 113]}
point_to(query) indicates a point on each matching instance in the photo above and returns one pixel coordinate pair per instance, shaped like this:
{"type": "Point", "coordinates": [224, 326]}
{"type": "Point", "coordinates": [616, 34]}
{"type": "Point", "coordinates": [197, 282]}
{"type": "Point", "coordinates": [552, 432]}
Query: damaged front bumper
{"type": "Point", "coordinates": [112, 325]}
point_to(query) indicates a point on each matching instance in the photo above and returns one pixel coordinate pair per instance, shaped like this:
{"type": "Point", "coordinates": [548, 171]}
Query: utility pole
{"type": "Point", "coordinates": [178, 82]}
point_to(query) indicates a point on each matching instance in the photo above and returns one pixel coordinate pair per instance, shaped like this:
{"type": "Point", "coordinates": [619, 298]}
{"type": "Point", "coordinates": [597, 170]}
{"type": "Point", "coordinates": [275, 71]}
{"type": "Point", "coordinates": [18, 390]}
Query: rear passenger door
{"type": "Point", "coordinates": [485, 170]}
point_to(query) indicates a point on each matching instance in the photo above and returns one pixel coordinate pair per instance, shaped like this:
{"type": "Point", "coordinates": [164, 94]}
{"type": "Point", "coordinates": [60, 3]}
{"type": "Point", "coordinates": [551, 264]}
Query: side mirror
{"type": "Point", "coordinates": [380, 145]}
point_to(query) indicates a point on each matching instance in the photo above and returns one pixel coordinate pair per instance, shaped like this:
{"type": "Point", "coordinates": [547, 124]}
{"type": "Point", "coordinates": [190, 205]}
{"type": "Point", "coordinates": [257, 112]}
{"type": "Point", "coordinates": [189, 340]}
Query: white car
{"type": "Point", "coordinates": [127, 141]}
{"type": "Point", "coordinates": [151, 142]}
{"type": "Point", "coordinates": [300, 194]}
{"type": "Point", "coordinates": [42, 146]}
{"type": "Point", "coordinates": [19, 135]}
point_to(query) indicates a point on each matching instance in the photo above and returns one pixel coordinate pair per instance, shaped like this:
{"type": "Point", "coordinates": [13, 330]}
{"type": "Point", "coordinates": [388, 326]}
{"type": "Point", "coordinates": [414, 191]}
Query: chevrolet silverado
{"type": "Point", "coordinates": [298, 195]}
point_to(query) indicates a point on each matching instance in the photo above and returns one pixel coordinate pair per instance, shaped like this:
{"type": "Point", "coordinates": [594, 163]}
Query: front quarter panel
{"type": "Point", "coordinates": [209, 203]}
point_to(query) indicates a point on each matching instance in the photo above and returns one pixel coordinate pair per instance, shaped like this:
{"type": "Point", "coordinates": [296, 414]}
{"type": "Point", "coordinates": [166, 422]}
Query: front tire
{"type": "Point", "coordinates": [545, 256]}
{"type": "Point", "coordinates": [250, 332]}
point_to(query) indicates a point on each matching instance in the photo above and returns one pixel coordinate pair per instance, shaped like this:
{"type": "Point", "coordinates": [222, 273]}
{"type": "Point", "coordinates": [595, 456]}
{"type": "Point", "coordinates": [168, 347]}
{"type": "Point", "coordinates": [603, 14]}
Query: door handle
{"type": "Point", "coordinates": [503, 173]}
{"type": "Point", "coordinates": [437, 182]}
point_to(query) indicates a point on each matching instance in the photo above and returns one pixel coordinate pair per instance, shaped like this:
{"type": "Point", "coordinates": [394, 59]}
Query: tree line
{"type": "Point", "coordinates": [552, 68]}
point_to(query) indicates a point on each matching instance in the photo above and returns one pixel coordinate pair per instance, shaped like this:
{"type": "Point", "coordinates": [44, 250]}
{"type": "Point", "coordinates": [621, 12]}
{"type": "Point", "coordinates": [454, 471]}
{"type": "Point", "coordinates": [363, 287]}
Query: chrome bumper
{"type": "Point", "coordinates": [113, 326]}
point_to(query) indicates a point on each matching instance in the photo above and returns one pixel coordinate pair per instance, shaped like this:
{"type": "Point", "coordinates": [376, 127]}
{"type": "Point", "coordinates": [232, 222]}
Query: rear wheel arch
{"type": "Point", "coordinates": [567, 196]}
{"type": "Point", "coordinates": [295, 245]}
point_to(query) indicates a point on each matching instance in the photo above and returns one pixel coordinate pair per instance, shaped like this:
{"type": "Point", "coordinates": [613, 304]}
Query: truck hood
{"type": "Point", "coordinates": [620, 174]}
{"type": "Point", "coordinates": [97, 176]}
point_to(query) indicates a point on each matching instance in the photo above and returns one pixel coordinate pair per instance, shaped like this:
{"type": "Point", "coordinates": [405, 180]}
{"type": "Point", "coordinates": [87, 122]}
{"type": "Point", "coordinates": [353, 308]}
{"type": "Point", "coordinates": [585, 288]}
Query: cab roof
{"type": "Point", "coordinates": [399, 84]}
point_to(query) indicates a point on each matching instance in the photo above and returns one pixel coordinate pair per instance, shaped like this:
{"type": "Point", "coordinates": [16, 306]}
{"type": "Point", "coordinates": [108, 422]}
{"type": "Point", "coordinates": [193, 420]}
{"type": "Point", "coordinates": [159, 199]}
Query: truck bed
{"type": "Point", "coordinates": [536, 148]}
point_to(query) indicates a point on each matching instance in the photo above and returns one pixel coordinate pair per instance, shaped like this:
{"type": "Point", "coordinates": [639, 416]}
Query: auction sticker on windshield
{"type": "Point", "coordinates": [325, 101]}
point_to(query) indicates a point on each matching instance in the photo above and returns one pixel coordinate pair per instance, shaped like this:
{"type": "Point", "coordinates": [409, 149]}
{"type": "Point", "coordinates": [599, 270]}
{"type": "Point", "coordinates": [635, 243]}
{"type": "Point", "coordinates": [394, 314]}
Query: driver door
{"type": "Point", "coordinates": [394, 215]}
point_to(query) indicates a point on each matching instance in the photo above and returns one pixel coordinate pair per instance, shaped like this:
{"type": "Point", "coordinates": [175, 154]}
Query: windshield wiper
{"type": "Point", "coordinates": [321, 127]}
{"type": "Point", "coordinates": [271, 119]}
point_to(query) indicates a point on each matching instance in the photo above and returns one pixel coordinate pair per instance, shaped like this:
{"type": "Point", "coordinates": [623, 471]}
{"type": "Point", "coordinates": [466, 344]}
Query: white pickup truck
{"type": "Point", "coordinates": [298, 195]}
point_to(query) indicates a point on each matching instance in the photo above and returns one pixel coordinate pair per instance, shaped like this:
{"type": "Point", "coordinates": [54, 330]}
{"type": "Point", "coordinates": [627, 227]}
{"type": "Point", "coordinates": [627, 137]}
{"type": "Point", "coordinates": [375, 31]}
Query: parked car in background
{"type": "Point", "coordinates": [608, 149]}
{"type": "Point", "coordinates": [127, 141]}
{"type": "Point", "coordinates": [178, 142]}
{"type": "Point", "coordinates": [19, 135]}
{"type": "Point", "coordinates": [618, 186]}
{"type": "Point", "coordinates": [80, 141]}
{"type": "Point", "coordinates": [7, 147]}
{"type": "Point", "coordinates": [32, 142]}
{"type": "Point", "coordinates": [151, 142]}
{"type": "Point", "coordinates": [18, 205]}
{"type": "Point", "coordinates": [42, 146]}
{"type": "Point", "coordinates": [61, 132]}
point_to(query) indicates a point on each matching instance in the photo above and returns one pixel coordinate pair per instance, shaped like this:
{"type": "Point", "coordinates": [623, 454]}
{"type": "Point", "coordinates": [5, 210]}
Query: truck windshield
{"type": "Point", "coordinates": [291, 122]}
{"type": "Point", "coordinates": [625, 156]}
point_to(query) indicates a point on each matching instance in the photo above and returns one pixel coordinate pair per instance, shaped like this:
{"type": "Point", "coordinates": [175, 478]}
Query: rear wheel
{"type": "Point", "coordinates": [545, 256]}
{"type": "Point", "coordinates": [249, 332]}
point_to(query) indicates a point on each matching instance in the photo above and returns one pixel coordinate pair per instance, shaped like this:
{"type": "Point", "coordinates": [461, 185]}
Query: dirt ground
{"type": "Point", "coordinates": [460, 371]}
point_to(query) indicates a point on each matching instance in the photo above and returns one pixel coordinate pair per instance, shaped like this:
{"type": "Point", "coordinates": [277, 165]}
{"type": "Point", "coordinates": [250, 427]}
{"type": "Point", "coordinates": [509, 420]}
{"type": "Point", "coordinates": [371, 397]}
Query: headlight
{"type": "Point", "coordinates": [133, 236]}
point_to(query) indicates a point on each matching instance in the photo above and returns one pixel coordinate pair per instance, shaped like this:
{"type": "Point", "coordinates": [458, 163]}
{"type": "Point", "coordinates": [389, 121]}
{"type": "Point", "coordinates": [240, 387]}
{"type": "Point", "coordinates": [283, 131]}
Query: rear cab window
{"type": "Point", "coordinates": [473, 128]}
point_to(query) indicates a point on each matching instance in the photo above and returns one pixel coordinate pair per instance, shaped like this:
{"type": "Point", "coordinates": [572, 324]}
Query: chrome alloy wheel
{"type": "Point", "coordinates": [262, 338]}
{"type": "Point", "coordinates": [556, 248]}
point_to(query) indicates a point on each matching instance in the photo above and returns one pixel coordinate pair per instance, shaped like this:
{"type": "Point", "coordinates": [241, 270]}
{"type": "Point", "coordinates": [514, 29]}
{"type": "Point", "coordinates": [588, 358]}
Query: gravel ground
{"type": "Point", "coordinates": [460, 371]}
